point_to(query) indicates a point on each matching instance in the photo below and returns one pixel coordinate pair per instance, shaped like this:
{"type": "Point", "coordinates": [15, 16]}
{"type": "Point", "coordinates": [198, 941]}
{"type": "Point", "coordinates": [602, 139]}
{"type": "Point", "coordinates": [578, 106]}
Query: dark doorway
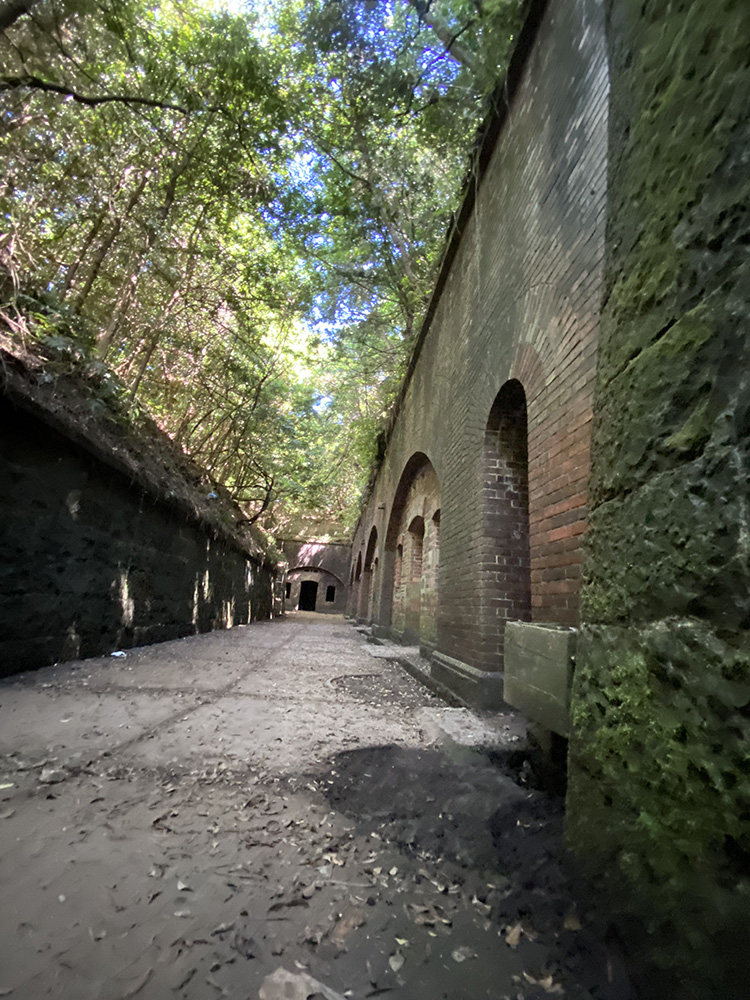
{"type": "Point", "coordinates": [308, 595]}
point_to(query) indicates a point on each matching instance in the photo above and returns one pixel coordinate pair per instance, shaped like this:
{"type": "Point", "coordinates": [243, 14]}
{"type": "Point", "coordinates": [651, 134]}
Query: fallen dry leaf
{"type": "Point", "coordinates": [138, 985]}
{"type": "Point", "coordinates": [513, 936]}
{"type": "Point", "coordinates": [462, 953]}
{"type": "Point", "coordinates": [284, 985]}
{"type": "Point", "coordinates": [396, 960]}
{"type": "Point", "coordinates": [349, 922]}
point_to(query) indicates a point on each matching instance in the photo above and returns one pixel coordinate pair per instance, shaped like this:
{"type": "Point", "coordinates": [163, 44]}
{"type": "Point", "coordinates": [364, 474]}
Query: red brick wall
{"type": "Point", "coordinates": [521, 301]}
{"type": "Point", "coordinates": [413, 541]}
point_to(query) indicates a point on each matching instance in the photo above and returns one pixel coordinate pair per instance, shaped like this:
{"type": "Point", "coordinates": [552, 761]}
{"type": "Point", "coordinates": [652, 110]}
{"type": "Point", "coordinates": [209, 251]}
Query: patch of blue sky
{"type": "Point", "coordinates": [304, 169]}
{"type": "Point", "coordinates": [329, 319]}
{"type": "Point", "coordinates": [319, 241]}
{"type": "Point", "coordinates": [322, 403]}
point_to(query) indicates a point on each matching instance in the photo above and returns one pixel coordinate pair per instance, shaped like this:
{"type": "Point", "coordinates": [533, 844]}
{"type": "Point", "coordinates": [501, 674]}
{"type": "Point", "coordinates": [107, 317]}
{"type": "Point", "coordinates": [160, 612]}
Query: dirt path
{"type": "Point", "coordinates": [188, 819]}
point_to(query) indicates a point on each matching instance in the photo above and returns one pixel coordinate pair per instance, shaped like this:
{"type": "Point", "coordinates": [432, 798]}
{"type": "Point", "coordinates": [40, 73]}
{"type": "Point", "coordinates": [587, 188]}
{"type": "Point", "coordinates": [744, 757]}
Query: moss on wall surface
{"type": "Point", "coordinates": [659, 791]}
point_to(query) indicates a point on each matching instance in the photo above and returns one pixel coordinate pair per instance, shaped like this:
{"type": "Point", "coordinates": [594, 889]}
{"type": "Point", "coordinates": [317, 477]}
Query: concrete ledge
{"type": "Point", "coordinates": [477, 688]}
{"type": "Point", "coordinates": [539, 672]}
{"type": "Point", "coordinates": [426, 649]}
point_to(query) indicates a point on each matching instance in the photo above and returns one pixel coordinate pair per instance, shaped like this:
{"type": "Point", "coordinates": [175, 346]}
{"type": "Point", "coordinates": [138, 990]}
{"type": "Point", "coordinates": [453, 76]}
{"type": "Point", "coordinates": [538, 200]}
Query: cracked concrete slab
{"type": "Point", "coordinates": [274, 736]}
{"type": "Point", "coordinates": [69, 725]}
{"type": "Point", "coordinates": [222, 806]}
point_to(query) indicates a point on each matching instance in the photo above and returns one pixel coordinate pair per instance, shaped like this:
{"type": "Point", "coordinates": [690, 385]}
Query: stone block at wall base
{"type": "Point", "coordinates": [408, 637]}
{"type": "Point", "coordinates": [381, 632]}
{"type": "Point", "coordinates": [539, 672]}
{"type": "Point", "coordinates": [477, 688]}
{"type": "Point", "coordinates": [548, 756]}
{"type": "Point", "coordinates": [657, 799]}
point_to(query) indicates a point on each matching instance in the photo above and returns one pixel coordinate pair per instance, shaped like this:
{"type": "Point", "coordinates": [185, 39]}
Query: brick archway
{"type": "Point", "coordinates": [505, 568]}
{"type": "Point", "coordinates": [366, 595]}
{"type": "Point", "coordinates": [409, 580]}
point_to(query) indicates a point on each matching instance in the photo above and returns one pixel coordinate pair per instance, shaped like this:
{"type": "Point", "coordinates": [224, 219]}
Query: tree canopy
{"type": "Point", "coordinates": [232, 216]}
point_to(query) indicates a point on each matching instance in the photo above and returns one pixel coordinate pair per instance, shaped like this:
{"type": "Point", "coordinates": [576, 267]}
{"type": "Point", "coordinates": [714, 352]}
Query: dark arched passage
{"type": "Point", "coordinates": [366, 590]}
{"type": "Point", "coordinates": [312, 588]}
{"type": "Point", "coordinates": [505, 562]}
{"type": "Point", "coordinates": [409, 588]}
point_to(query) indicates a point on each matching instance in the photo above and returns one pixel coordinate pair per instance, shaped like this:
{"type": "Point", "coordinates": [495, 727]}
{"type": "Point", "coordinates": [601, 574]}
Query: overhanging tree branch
{"type": "Point", "coordinates": [446, 34]}
{"type": "Point", "coordinates": [91, 100]}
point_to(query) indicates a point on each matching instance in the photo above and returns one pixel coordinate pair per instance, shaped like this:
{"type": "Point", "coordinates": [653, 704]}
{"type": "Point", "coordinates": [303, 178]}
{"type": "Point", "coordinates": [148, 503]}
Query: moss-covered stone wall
{"type": "Point", "coordinates": [659, 790]}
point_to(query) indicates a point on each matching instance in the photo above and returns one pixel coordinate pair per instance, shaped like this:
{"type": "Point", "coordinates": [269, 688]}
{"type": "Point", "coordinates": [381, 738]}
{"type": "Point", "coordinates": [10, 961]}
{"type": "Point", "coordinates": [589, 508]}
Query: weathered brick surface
{"type": "Point", "coordinates": [414, 536]}
{"type": "Point", "coordinates": [92, 563]}
{"type": "Point", "coordinates": [520, 301]}
{"type": "Point", "coordinates": [367, 594]}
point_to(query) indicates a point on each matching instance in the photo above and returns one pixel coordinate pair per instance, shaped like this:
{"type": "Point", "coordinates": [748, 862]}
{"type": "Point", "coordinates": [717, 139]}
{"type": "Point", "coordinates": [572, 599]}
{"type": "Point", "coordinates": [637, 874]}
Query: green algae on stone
{"type": "Point", "coordinates": [659, 768]}
{"type": "Point", "coordinates": [661, 787]}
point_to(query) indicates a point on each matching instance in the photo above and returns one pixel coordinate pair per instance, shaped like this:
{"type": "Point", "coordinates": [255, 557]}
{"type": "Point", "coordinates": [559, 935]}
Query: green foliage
{"type": "Point", "coordinates": [239, 216]}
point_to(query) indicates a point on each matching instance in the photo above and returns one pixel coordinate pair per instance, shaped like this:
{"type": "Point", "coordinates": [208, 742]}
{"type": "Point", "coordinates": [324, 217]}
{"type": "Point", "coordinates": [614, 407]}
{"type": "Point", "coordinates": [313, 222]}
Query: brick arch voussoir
{"type": "Point", "coordinates": [418, 461]}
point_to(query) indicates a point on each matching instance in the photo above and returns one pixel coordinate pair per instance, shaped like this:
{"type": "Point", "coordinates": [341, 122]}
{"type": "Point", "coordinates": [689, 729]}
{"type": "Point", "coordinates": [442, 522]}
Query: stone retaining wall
{"type": "Point", "coordinates": [92, 563]}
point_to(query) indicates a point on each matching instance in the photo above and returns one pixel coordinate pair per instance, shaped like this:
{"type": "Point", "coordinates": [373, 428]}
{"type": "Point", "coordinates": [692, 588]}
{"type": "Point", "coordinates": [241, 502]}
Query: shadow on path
{"type": "Point", "coordinates": [480, 830]}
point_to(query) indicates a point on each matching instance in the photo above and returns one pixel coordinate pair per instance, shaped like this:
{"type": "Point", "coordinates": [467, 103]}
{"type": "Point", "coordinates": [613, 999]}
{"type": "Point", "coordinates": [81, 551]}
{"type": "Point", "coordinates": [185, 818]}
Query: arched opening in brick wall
{"type": "Point", "coordinates": [505, 569]}
{"type": "Point", "coordinates": [364, 604]}
{"type": "Point", "coordinates": [372, 609]}
{"type": "Point", "coordinates": [354, 588]}
{"type": "Point", "coordinates": [312, 588]}
{"type": "Point", "coordinates": [409, 579]}
{"type": "Point", "coordinates": [411, 594]}
{"type": "Point", "coordinates": [430, 567]}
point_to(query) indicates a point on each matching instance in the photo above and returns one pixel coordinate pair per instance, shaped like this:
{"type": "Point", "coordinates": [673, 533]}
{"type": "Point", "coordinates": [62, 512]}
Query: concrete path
{"type": "Point", "coordinates": [272, 812]}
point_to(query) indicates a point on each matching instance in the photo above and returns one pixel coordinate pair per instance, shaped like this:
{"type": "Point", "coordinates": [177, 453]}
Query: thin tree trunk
{"type": "Point", "coordinates": [92, 235]}
{"type": "Point", "coordinates": [147, 354]}
{"type": "Point", "coordinates": [106, 244]}
{"type": "Point", "coordinates": [153, 342]}
{"type": "Point", "coordinates": [446, 34]}
{"type": "Point", "coordinates": [385, 211]}
{"type": "Point", "coordinates": [131, 286]}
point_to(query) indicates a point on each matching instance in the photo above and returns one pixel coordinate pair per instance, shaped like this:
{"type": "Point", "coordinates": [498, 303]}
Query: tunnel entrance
{"type": "Point", "coordinates": [308, 595]}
